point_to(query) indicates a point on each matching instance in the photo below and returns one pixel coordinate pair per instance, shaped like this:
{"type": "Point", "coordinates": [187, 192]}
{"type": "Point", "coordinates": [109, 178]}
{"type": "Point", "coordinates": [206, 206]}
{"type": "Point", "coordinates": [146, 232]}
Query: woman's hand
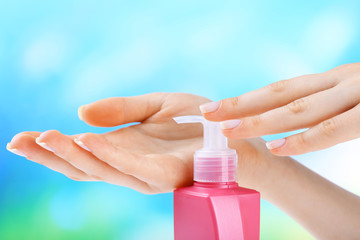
{"type": "Point", "coordinates": [326, 103]}
{"type": "Point", "coordinates": [157, 156]}
{"type": "Point", "coordinates": [151, 157]}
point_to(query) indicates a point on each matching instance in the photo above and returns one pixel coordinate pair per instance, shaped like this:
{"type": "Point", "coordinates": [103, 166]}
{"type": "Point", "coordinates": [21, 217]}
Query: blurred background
{"type": "Point", "coordinates": [58, 55]}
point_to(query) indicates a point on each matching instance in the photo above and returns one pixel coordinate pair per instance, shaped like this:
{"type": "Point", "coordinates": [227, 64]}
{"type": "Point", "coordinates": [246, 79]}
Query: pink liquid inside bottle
{"type": "Point", "coordinates": [215, 207]}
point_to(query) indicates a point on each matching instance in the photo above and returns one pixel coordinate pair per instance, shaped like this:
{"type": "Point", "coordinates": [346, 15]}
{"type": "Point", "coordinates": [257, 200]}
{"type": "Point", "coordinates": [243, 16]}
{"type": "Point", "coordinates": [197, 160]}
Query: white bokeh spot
{"type": "Point", "coordinates": [328, 36]}
{"type": "Point", "coordinates": [44, 55]}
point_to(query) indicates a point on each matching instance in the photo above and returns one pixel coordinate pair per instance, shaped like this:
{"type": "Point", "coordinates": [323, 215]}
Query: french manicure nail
{"type": "Point", "coordinates": [80, 112]}
{"type": "Point", "coordinates": [209, 107]}
{"type": "Point", "coordinates": [43, 145]}
{"type": "Point", "coordinates": [15, 150]}
{"type": "Point", "coordinates": [230, 124]}
{"type": "Point", "coordinates": [275, 143]}
{"type": "Point", "coordinates": [81, 144]}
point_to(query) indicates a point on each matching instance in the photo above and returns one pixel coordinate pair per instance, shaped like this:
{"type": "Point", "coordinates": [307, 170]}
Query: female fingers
{"type": "Point", "coordinates": [264, 99]}
{"type": "Point", "coordinates": [341, 128]}
{"type": "Point", "coordinates": [64, 147]}
{"type": "Point", "coordinates": [115, 111]}
{"type": "Point", "coordinates": [162, 172]}
{"type": "Point", "coordinates": [120, 159]}
{"type": "Point", "coordinates": [301, 113]}
{"type": "Point", "coordinates": [24, 143]}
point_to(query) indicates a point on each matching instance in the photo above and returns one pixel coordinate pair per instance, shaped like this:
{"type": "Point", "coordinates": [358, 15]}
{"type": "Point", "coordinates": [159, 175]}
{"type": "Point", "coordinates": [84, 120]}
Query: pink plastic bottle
{"type": "Point", "coordinates": [215, 207]}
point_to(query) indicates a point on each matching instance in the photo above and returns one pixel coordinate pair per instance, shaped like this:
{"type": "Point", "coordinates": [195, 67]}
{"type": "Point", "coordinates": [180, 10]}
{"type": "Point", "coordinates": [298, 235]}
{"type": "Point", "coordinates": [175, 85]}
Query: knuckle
{"type": "Point", "coordinates": [328, 127]}
{"type": "Point", "coordinates": [233, 102]}
{"type": "Point", "coordinates": [297, 143]}
{"type": "Point", "coordinates": [297, 106]}
{"type": "Point", "coordinates": [300, 140]}
{"type": "Point", "coordinates": [255, 121]}
{"type": "Point", "coordinates": [278, 86]}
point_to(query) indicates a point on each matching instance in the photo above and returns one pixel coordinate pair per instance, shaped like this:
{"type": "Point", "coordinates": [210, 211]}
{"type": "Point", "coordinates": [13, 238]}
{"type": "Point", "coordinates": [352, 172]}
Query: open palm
{"type": "Point", "coordinates": [151, 157]}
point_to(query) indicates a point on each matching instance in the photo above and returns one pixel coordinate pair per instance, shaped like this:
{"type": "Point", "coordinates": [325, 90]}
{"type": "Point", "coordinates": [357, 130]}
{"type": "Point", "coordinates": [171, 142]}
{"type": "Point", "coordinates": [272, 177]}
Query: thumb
{"type": "Point", "coordinates": [115, 111]}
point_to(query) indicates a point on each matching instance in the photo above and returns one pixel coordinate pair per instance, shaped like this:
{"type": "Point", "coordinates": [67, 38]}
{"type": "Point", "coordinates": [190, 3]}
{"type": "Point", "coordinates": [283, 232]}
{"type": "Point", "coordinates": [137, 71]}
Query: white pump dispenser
{"type": "Point", "coordinates": [215, 162]}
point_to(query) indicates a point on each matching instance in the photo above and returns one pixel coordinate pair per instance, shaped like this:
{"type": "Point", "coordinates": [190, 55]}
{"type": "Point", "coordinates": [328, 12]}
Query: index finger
{"type": "Point", "coordinates": [269, 97]}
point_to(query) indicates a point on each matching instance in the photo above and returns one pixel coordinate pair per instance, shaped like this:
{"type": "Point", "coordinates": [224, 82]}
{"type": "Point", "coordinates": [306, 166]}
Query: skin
{"type": "Point", "coordinates": [327, 104]}
{"type": "Point", "coordinates": [156, 156]}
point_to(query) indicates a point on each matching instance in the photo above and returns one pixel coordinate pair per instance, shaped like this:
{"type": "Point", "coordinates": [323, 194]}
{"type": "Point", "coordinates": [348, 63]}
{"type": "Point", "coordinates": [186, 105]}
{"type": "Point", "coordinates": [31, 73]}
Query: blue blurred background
{"type": "Point", "coordinates": [58, 55]}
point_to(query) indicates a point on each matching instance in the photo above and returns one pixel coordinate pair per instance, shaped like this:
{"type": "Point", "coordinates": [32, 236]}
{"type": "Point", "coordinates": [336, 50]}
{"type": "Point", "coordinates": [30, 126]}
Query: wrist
{"type": "Point", "coordinates": [257, 167]}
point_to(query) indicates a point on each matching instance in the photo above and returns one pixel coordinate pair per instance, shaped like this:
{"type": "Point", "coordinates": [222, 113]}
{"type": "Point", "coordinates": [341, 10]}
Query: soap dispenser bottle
{"type": "Point", "coordinates": [215, 207]}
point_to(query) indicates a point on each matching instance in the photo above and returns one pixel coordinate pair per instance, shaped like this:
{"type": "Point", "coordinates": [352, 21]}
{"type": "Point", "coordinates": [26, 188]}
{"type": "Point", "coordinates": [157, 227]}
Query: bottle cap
{"type": "Point", "coordinates": [215, 162]}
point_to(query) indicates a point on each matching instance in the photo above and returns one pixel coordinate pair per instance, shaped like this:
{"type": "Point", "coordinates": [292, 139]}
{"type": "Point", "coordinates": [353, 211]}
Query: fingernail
{"type": "Point", "coordinates": [81, 144]}
{"type": "Point", "coordinates": [80, 112]}
{"type": "Point", "coordinates": [209, 107]}
{"type": "Point", "coordinates": [275, 143]}
{"type": "Point", "coordinates": [15, 150]}
{"type": "Point", "coordinates": [229, 124]}
{"type": "Point", "coordinates": [43, 145]}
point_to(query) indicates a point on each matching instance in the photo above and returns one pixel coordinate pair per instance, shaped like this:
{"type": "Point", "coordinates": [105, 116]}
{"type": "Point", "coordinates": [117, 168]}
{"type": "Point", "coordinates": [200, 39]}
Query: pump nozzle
{"type": "Point", "coordinates": [213, 137]}
{"type": "Point", "coordinates": [215, 162]}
